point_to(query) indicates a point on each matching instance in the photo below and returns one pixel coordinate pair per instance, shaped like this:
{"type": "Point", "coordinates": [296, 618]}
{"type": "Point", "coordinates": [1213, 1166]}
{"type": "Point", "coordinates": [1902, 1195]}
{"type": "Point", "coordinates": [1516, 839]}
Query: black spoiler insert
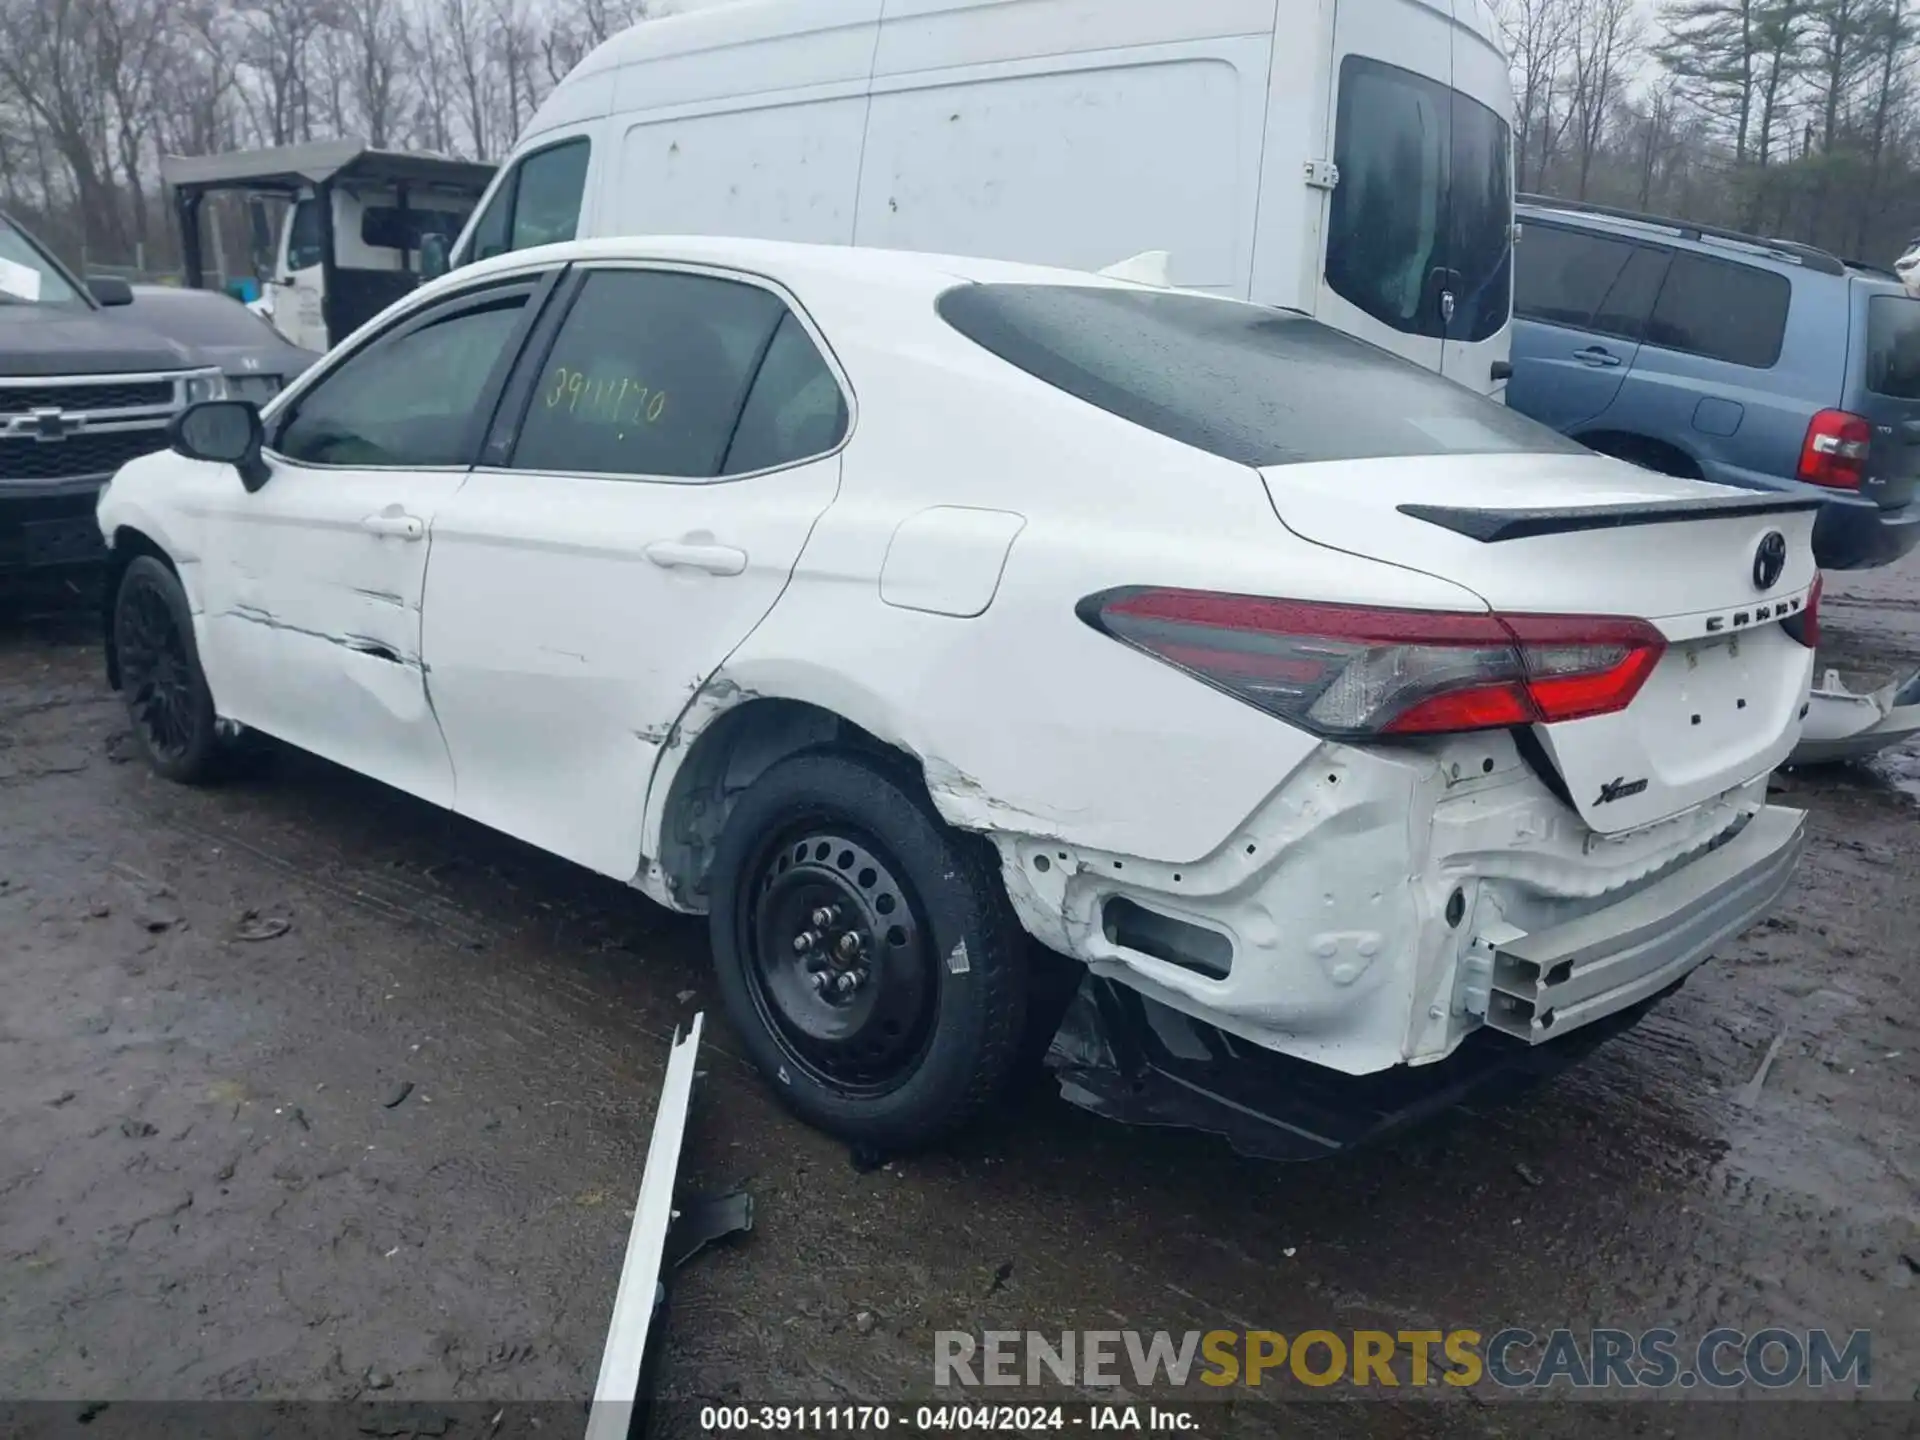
{"type": "Point", "coordinates": [1492, 526]}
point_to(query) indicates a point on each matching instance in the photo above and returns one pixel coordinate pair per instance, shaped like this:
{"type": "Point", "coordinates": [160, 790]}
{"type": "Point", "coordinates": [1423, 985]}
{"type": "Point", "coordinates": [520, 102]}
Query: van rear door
{"type": "Point", "coordinates": [1479, 202]}
{"type": "Point", "coordinates": [1391, 126]}
{"type": "Point", "coordinates": [1884, 389]}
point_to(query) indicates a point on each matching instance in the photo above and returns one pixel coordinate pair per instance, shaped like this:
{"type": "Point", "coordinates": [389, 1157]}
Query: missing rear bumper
{"type": "Point", "coordinates": [1129, 1058]}
{"type": "Point", "coordinates": [1553, 981]}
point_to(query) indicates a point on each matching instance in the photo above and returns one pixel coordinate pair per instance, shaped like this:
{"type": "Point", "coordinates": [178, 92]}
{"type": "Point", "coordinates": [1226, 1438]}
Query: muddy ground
{"type": "Point", "coordinates": [212, 1002]}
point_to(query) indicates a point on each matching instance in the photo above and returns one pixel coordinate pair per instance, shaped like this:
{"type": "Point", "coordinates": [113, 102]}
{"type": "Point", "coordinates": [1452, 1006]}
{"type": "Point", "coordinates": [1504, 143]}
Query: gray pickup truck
{"type": "Point", "coordinates": [81, 393]}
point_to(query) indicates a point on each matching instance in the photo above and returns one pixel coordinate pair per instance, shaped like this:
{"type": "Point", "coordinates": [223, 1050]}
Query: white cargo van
{"type": "Point", "coordinates": [1350, 158]}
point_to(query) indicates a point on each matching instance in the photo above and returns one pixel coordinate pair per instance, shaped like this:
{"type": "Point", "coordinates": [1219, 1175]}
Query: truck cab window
{"type": "Point", "coordinates": [303, 236]}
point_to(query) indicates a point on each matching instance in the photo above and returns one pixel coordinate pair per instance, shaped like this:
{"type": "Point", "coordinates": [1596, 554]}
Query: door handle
{"type": "Point", "coordinates": [689, 555]}
{"type": "Point", "coordinates": [1594, 355]}
{"type": "Point", "coordinates": [392, 522]}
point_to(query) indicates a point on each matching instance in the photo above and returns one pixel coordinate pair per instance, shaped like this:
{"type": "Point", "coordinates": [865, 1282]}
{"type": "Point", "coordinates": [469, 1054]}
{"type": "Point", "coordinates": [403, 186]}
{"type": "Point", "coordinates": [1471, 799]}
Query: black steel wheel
{"type": "Point", "coordinates": [840, 965]}
{"type": "Point", "coordinates": [166, 694]}
{"type": "Point", "coordinates": [866, 954]}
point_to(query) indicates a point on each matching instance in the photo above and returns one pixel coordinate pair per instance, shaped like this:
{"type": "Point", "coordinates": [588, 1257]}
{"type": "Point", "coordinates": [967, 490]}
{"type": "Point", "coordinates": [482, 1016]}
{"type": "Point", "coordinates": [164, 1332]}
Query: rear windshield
{"type": "Point", "coordinates": [1893, 346]}
{"type": "Point", "coordinates": [1257, 386]}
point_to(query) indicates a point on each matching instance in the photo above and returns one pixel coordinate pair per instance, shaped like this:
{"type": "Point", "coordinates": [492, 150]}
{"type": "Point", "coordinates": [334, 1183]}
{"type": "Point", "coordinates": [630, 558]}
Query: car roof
{"type": "Point", "coordinates": [1787, 256]}
{"type": "Point", "coordinates": [849, 266]}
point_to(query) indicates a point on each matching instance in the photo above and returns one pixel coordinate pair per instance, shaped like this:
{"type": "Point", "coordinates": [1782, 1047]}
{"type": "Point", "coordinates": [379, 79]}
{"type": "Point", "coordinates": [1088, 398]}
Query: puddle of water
{"type": "Point", "coordinates": [1898, 770]}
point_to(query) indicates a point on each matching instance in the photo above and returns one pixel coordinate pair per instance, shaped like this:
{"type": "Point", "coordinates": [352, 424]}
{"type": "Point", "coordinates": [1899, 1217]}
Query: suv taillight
{"type": "Point", "coordinates": [1804, 625]}
{"type": "Point", "coordinates": [1346, 670]}
{"type": "Point", "coordinates": [1835, 452]}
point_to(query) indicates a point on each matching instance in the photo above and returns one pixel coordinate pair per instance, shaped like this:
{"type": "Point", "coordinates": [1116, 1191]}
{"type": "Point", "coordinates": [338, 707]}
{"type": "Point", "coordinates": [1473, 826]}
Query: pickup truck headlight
{"type": "Point", "coordinates": [206, 385]}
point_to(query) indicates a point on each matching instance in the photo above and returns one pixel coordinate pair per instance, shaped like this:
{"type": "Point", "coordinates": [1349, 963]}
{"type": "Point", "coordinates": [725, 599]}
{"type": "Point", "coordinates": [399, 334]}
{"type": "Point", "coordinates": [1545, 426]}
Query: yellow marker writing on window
{"type": "Point", "coordinates": [622, 402]}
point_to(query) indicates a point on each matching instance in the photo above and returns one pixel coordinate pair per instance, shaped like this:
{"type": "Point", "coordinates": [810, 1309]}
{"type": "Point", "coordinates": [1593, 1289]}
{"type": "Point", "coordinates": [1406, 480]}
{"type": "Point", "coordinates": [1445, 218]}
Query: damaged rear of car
{"type": "Point", "coordinates": [1364, 741]}
{"type": "Point", "coordinates": [979, 645]}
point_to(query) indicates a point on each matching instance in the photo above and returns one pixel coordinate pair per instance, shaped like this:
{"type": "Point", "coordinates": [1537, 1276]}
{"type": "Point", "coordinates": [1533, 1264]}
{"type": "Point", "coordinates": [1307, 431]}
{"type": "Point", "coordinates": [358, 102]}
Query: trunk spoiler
{"type": "Point", "coordinates": [1491, 526]}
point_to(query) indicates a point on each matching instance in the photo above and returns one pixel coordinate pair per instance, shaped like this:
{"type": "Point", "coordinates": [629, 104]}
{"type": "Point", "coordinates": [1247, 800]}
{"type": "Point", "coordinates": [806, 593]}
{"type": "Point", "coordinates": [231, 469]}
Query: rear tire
{"type": "Point", "coordinates": [866, 953]}
{"type": "Point", "coordinates": [1647, 454]}
{"type": "Point", "coordinates": [168, 703]}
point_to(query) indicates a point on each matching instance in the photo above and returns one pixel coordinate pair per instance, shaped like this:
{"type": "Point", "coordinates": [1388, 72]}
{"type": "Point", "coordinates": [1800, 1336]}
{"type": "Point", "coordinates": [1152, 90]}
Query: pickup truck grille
{"type": "Point", "coordinates": [70, 396]}
{"type": "Point", "coordinates": [99, 452]}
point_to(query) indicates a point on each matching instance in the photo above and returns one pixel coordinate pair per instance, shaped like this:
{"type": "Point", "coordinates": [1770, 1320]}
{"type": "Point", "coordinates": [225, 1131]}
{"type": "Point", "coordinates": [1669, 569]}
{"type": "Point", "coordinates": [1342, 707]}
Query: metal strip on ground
{"type": "Point", "coordinates": [615, 1393]}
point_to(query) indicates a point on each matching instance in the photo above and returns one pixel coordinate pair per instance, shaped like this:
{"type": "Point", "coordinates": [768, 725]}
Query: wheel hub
{"type": "Point", "coordinates": [839, 967]}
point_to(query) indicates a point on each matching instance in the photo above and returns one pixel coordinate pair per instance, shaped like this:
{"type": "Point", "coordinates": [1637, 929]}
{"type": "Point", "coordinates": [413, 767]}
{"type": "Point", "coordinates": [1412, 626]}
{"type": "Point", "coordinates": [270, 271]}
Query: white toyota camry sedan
{"type": "Point", "coordinates": [1004, 657]}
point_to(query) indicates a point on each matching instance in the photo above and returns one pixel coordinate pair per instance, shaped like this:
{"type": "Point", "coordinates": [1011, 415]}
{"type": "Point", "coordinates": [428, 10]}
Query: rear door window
{"type": "Point", "coordinates": [796, 409]}
{"type": "Point", "coordinates": [1722, 310]}
{"type": "Point", "coordinates": [647, 376]}
{"type": "Point", "coordinates": [1479, 221]}
{"type": "Point", "coordinates": [1424, 204]}
{"type": "Point", "coordinates": [1385, 234]}
{"type": "Point", "coordinates": [1893, 347]}
{"type": "Point", "coordinates": [1257, 386]}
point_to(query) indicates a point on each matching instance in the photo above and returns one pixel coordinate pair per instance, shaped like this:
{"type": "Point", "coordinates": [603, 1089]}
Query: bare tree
{"type": "Point", "coordinates": [1605, 41]}
{"type": "Point", "coordinates": [1537, 33]}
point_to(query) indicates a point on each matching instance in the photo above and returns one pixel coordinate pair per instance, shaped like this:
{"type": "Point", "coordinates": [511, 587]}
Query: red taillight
{"type": "Point", "coordinates": [1835, 452]}
{"type": "Point", "coordinates": [1352, 670]}
{"type": "Point", "coordinates": [1804, 625]}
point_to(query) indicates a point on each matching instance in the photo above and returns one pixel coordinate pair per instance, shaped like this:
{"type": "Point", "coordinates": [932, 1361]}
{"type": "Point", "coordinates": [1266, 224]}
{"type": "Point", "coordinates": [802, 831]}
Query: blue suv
{"type": "Point", "coordinates": [1750, 362]}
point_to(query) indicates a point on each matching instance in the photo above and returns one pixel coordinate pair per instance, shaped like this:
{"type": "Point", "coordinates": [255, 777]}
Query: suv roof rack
{"type": "Point", "coordinates": [1810, 256]}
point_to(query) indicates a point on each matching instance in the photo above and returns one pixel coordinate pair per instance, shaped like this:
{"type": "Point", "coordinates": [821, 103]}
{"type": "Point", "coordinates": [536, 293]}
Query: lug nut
{"type": "Point", "coordinates": [846, 983]}
{"type": "Point", "coordinates": [849, 945]}
{"type": "Point", "coordinates": [823, 917]}
{"type": "Point", "coordinates": [804, 942]}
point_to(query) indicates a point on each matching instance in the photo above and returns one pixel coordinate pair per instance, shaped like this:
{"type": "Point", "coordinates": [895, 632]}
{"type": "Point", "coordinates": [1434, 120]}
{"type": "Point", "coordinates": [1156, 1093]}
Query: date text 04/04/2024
{"type": "Point", "coordinates": [948, 1419]}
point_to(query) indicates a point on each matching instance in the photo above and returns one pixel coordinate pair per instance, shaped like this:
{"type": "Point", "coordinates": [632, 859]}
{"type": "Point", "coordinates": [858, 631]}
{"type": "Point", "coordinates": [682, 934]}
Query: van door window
{"type": "Point", "coordinates": [546, 206]}
{"type": "Point", "coordinates": [1424, 204]}
{"type": "Point", "coordinates": [1479, 221]}
{"type": "Point", "coordinates": [1722, 310]}
{"type": "Point", "coordinates": [537, 204]}
{"type": "Point", "coordinates": [1384, 237]}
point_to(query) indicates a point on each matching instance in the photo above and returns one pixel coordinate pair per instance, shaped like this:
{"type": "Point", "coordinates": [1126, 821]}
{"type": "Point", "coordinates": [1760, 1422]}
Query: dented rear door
{"type": "Point", "coordinates": [660, 460]}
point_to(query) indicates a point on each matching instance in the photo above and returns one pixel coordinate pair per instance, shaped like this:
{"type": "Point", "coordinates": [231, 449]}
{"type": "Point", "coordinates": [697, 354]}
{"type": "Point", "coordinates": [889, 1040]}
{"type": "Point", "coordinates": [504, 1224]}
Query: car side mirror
{"type": "Point", "coordinates": [433, 256]}
{"type": "Point", "coordinates": [226, 432]}
{"type": "Point", "coordinates": [109, 290]}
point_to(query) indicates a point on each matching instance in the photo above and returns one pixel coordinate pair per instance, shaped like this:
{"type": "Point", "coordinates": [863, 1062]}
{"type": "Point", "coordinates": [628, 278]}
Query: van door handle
{"type": "Point", "coordinates": [689, 555]}
{"type": "Point", "coordinates": [1594, 355]}
{"type": "Point", "coordinates": [395, 522]}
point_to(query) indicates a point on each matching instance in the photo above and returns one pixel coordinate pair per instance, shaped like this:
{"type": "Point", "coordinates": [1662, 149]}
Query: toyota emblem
{"type": "Point", "coordinates": [1769, 561]}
